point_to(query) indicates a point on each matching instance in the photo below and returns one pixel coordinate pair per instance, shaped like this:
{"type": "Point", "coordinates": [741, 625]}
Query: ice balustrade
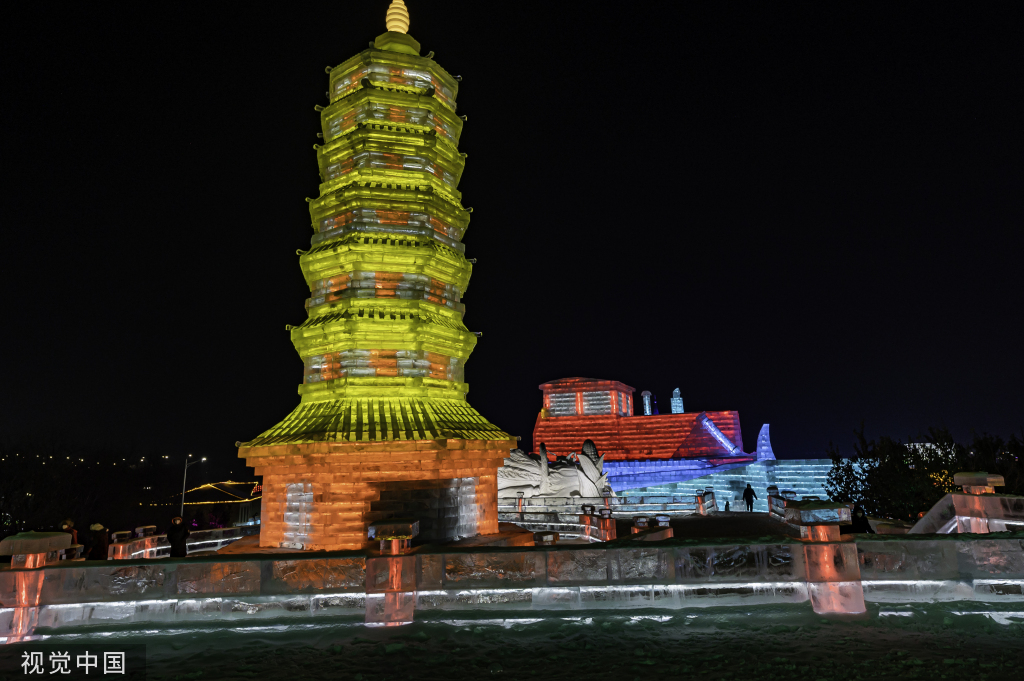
{"type": "Point", "coordinates": [565, 514]}
{"type": "Point", "coordinates": [217, 538]}
{"type": "Point", "coordinates": [145, 543]}
{"type": "Point", "coordinates": [671, 574]}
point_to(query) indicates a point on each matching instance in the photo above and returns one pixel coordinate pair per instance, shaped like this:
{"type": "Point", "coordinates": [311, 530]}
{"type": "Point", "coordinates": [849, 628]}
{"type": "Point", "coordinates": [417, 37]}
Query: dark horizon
{"type": "Point", "coordinates": [809, 214]}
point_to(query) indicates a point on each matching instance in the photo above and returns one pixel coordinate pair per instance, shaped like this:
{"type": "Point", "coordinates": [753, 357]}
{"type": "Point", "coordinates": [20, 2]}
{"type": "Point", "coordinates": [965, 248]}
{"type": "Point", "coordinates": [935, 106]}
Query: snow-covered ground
{"type": "Point", "coordinates": [935, 641]}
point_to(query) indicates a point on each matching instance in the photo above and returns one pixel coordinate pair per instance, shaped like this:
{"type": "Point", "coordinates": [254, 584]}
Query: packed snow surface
{"type": "Point", "coordinates": [935, 641]}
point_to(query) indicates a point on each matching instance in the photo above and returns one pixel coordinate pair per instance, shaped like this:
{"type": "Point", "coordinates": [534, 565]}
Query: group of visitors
{"type": "Point", "coordinates": [96, 540]}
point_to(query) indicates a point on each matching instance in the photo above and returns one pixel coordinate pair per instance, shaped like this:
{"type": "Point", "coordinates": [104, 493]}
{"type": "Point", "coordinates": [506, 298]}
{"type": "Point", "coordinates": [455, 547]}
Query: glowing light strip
{"type": "Point", "coordinates": [711, 428]}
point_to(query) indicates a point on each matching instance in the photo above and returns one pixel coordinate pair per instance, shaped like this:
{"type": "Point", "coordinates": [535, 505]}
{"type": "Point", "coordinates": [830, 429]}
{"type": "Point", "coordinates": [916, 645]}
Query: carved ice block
{"type": "Point", "coordinates": [34, 542]}
{"type": "Point", "coordinates": [393, 528]}
{"type": "Point", "coordinates": [820, 533]}
{"type": "Point", "coordinates": [494, 570]}
{"type": "Point", "coordinates": [832, 562]}
{"type": "Point", "coordinates": [833, 578]}
{"type": "Point", "coordinates": [837, 598]}
{"type": "Point", "coordinates": [817, 513]}
{"type": "Point", "coordinates": [984, 513]}
{"type": "Point", "coordinates": [390, 609]}
{"type": "Point", "coordinates": [978, 482]}
{"type": "Point", "coordinates": [545, 538]}
{"type": "Point", "coordinates": [390, 573]}
{"type": "Point", "coordinates": [908, 560]}
{"type": "Point", "coordinates": [598, 527]}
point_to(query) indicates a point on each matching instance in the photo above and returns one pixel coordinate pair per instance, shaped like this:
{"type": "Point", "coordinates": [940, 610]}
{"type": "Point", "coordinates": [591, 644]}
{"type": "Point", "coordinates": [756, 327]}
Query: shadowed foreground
{"type": "Point", "coordinates": [935, 641]}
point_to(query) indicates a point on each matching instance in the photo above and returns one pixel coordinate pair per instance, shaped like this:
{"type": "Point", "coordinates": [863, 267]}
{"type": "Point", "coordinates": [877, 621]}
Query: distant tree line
{"type": "Point", "coordinates": [47, 478]}
{"type": "Point", "coordinates": [893, 479]}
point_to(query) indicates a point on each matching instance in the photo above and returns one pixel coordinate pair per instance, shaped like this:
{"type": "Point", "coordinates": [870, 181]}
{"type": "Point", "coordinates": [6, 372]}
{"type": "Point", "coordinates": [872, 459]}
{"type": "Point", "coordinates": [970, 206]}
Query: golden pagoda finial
{"type": "Point", "coordinates": [397, 19]}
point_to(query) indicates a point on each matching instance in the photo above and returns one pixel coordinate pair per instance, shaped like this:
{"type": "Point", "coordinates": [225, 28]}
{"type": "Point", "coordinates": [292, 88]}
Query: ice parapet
{"type": "Point", "coordinates": [207, 578]}
{"type": "Point", "coordinates": [742, 563]}
{"type": "Point", "coordinates": [493, 570]}
{"type": "Point", "coordinates": [319, 574]}
{"type": "Point", "coordinates": [836, 577]}
{"type": "Point", "coordinates": [912, 560]}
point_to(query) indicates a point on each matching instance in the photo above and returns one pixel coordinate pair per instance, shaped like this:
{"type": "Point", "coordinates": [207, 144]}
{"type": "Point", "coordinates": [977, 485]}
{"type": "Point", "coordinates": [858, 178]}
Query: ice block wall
{"type": "Point", "coordinates": [383, 427]}
{"type": "Point", "coordinates": [546, 580]}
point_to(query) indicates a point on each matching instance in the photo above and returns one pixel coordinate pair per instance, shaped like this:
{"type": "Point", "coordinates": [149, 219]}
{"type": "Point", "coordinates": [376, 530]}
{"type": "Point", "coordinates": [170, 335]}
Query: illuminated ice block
{"type": "Point", "coordinates": [978, 482]}
{"type": "Point", "coordinates": [764, 445]}
{"type": "Point", "coordinates": [677, 402]}
{"type": "Point", "coordinates": [837, 598]}
{"type": "Point", "coordinates": [816, 513]}
{"type": "Point", "coordinates": [805, 477]}
{"type": "Point", "coordinates": [391, 608]}
{"type": "Point", "coordinates": [833, 578]}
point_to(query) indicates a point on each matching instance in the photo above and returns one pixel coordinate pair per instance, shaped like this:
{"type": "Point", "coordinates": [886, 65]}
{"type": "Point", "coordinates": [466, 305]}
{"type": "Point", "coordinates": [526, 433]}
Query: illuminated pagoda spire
{"type": "Point", "coordinates": [383, 411]}
{"type": "Point", "coordinates": [397, 19]}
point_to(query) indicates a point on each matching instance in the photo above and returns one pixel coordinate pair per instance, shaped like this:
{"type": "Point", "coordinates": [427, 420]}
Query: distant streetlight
{"type": "Point", "coordinates": [187, 464]}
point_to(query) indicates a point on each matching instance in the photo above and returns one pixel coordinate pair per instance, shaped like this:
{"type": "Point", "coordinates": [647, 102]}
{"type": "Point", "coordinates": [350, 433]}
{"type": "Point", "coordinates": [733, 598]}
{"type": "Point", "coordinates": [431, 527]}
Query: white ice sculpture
{"type": "Point", "coordinates": [764, 445]}
{"type": "Point", "coordinates": [677, 402]}
{"type": "Point", "coordinates": [535, 476]}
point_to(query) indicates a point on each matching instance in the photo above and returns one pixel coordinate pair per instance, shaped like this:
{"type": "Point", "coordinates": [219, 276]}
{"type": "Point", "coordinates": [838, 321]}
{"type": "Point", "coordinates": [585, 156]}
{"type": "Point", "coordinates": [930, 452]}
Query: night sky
{"type": "Point", "coordinates": [809, 213]}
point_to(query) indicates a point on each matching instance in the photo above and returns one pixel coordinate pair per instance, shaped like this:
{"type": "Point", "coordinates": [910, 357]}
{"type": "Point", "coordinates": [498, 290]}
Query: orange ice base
{"type": "Point", "coordinates": [324, 495]}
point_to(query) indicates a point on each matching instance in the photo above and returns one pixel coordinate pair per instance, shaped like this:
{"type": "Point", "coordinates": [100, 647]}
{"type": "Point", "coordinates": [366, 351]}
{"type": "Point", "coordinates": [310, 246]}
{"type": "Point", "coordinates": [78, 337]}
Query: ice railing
{"type": "Point", "coordinates": [671, 504]}
{"type": "Point", "coordinates": [670, 574]}
{"type": "Point", "coordinates": [145, 543]}
{"type": "Point", "coordinates": [562, 514]}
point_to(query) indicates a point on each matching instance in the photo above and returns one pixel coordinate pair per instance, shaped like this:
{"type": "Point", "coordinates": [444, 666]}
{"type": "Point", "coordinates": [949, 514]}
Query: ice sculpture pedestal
{"type": "Point", "coordinates": [598, 526]}
{"type": "Point", "coordinates": [833, 571]}
{"type": "Point", "coordinates": [391, 578]}
{"type": "Point", "coordinates": [980, 510]}
{"type": "Point", "coordinates": [30, 552]}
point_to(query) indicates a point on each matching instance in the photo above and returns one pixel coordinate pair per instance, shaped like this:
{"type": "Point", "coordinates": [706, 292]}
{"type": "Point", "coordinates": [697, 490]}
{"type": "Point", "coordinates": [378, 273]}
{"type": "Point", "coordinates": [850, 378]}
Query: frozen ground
{"type": "Point", "coordinates": [935, 641]}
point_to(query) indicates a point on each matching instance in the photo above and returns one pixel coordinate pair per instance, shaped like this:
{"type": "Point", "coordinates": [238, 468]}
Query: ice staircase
{"type": "Point", "coordinates": [806, 477]}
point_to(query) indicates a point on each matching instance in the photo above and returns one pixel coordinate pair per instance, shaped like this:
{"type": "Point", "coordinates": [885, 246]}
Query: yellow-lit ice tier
{"type": "Point", "coordinates": [383, 428]}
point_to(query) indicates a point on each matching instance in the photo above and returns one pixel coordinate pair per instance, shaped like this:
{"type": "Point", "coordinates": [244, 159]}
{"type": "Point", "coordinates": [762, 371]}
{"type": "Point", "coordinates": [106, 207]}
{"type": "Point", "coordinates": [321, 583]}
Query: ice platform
{"type": "Point", "coordinates": [239, 590]}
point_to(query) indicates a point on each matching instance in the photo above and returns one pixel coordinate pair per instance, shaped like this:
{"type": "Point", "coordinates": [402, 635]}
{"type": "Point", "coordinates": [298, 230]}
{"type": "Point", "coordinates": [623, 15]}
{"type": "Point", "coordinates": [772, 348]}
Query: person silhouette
{"type": "Point", "coordinates": [177, 536]}
{"type": "Point", "coordinates": [748, 496]}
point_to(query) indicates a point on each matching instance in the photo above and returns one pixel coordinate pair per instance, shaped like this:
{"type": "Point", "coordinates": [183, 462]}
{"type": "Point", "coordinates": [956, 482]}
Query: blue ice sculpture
{"type": "Point", "coordinates": [764, 445]}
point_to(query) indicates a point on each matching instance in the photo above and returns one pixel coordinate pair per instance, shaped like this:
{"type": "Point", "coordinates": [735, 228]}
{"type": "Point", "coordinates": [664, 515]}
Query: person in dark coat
{"type": "Point", "coordinates": [860, 524]}
{"type": "Point", "coordinates": [100, 542]}
{"type": "Point", "coordinates": [69, 527]}
{"type": "Point", "coordinates": [748, 496]}
{"type": "Point", "coordinates": [177, 534]}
